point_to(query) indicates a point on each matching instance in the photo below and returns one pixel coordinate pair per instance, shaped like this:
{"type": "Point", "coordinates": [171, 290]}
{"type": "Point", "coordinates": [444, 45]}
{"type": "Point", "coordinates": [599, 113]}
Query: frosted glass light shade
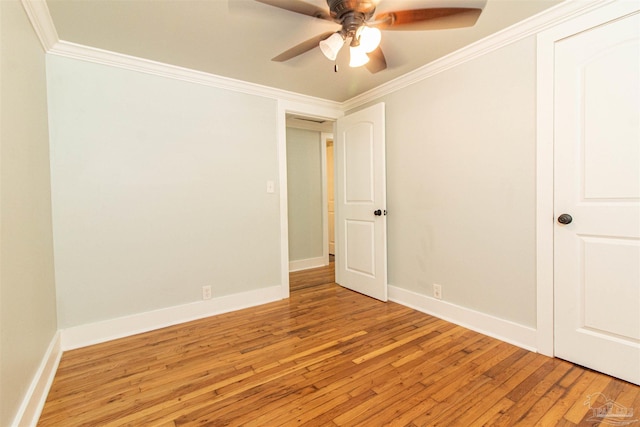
{"type": "Point", "coordinates": [358, 56]}
{"type": "Point", "coordinates": [331, 46]}
{"type": "Point", "coordinates": [370, 38]}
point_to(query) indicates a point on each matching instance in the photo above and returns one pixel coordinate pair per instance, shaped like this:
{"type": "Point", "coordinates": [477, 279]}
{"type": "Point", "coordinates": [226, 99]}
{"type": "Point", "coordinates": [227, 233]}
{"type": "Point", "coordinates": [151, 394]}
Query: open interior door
{"type": "Point", "coordinates": [361, 223]}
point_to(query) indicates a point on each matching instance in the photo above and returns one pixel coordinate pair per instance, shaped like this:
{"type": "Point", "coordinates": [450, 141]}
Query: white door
{"type": "Point", "coordinates": [597, 183]}
{"type": "Point", "coordinates": [361, 228]}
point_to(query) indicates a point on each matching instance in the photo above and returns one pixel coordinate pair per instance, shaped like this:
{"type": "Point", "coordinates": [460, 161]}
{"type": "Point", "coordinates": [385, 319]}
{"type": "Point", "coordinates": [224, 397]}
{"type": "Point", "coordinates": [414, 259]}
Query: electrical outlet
{"type": "Point", "coordinates": [437, 291]}
{"type": "Point", "coordinates": [271, 187]}
{"type": "Point", "coordinates": [206, 292]}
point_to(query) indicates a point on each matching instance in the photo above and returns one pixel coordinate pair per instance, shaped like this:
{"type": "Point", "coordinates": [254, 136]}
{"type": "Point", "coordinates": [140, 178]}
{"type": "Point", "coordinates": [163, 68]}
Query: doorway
{"type": "Point", "coordinates": [331, 219]}
{"type": "Point", "coordinates": [360, 249]}
{"type": "Point", "coordinates": [309, 149]}
{"type": "Point", "coordinates": [326, 111]}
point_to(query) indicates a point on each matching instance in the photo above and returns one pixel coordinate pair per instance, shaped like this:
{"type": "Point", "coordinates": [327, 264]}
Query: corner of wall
{"type": "Point", "coordinates": [36, 396]}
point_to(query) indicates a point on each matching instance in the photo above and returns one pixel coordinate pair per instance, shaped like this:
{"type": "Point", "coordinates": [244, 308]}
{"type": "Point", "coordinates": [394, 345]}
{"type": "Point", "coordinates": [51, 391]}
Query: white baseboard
{"type": "Point", "coordinates": [94, 333]}
{"type": "Point", "coordinates": [504, 330]}
{"type": "Point", "coordinates": [304, 264]}
{"type": "Point", "coordinates": [33, 401]}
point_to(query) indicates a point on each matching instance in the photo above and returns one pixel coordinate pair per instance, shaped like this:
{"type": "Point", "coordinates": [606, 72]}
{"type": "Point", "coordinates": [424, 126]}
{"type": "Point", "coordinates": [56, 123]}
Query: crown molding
{"type": "Point", "coordinates": [531, 26]}
{"type": "Point", "coordinates": [40, 18]}
{"type": "Point", "coordinates": [105, 57]}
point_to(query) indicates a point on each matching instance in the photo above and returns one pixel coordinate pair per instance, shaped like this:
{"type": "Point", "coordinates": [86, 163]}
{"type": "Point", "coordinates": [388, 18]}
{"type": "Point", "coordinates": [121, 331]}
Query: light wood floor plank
{"type": "Point", "coordinates": [327, 356]}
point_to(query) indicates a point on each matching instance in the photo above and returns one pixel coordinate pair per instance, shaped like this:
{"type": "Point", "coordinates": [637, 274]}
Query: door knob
{"type": "Point", "coordinates": [565, 219]}
{"type": "Point", "coordinates": [377, 212]}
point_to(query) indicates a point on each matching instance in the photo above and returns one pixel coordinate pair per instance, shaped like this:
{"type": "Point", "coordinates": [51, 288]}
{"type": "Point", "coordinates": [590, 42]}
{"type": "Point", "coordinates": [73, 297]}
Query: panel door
{"type": "Point", "coordinates": [597, 183]}
{"type": "Point", "coordinates": [361, 236]}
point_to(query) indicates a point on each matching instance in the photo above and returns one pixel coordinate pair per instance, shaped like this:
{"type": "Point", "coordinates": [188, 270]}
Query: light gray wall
{"type": "Point", "coordinates": [159, 188]}
{"type": "Point", "coordinates": [27, 289]}
{"type": "Point", "coordinates": [304, 193]}
{"type": "Point", "coordinates": [461, 184]}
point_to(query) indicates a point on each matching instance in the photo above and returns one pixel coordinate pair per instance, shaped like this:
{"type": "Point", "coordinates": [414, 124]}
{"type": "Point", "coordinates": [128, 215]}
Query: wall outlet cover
{"type": "Point", "coordinates": [437, 291]}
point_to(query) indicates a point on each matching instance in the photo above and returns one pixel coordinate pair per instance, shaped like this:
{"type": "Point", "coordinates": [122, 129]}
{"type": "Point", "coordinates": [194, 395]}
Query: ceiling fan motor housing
{"type": "Point", "coordinates": [351, 14]}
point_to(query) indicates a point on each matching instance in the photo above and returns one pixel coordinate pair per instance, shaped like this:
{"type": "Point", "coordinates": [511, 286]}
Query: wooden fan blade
{"type": "Point", "coordinates": [301, 48]}
{"type": "Point", "coordinates": [428, 19]}
{"type": "Point", "coordinates": [299, 7]}
{"type": "Point", "coordinates": [377, 61]}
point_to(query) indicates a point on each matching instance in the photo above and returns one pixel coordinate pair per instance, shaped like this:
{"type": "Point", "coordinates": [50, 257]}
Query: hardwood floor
{"type": "Point", "coordinates": [325, 357]}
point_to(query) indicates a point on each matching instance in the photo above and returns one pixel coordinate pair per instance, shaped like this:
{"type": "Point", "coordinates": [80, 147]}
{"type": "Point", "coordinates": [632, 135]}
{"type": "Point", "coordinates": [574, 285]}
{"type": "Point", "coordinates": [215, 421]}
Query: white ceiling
{"type": "Point", "coordinates": [238, 38]}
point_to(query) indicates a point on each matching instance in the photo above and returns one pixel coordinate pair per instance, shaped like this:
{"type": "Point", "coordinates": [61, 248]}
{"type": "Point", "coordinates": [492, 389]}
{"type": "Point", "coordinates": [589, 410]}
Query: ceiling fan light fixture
{"type": "Point", "coordinates": [332, 45]}
{"type": "Point", "coordinates": [358, 56]}
{"type": "Point", "coordinates": [369, 38]}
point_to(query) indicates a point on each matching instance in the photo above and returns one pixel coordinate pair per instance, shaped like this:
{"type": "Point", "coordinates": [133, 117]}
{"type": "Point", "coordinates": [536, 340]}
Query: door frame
{"type": "Point", "coordinates": [324, 137]}
{"type": "Point", "coordinates": [545, 220]}
{"type": "Point", "coordinates": [323, 259]}
{"type": "Point", "coordinates": [318, 111]}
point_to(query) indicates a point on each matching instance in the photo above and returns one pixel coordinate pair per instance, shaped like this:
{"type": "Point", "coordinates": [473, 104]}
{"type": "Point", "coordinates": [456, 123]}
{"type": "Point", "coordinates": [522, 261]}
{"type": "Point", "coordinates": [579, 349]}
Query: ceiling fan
{"type": "Point", "coordinates": [362, 27]}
